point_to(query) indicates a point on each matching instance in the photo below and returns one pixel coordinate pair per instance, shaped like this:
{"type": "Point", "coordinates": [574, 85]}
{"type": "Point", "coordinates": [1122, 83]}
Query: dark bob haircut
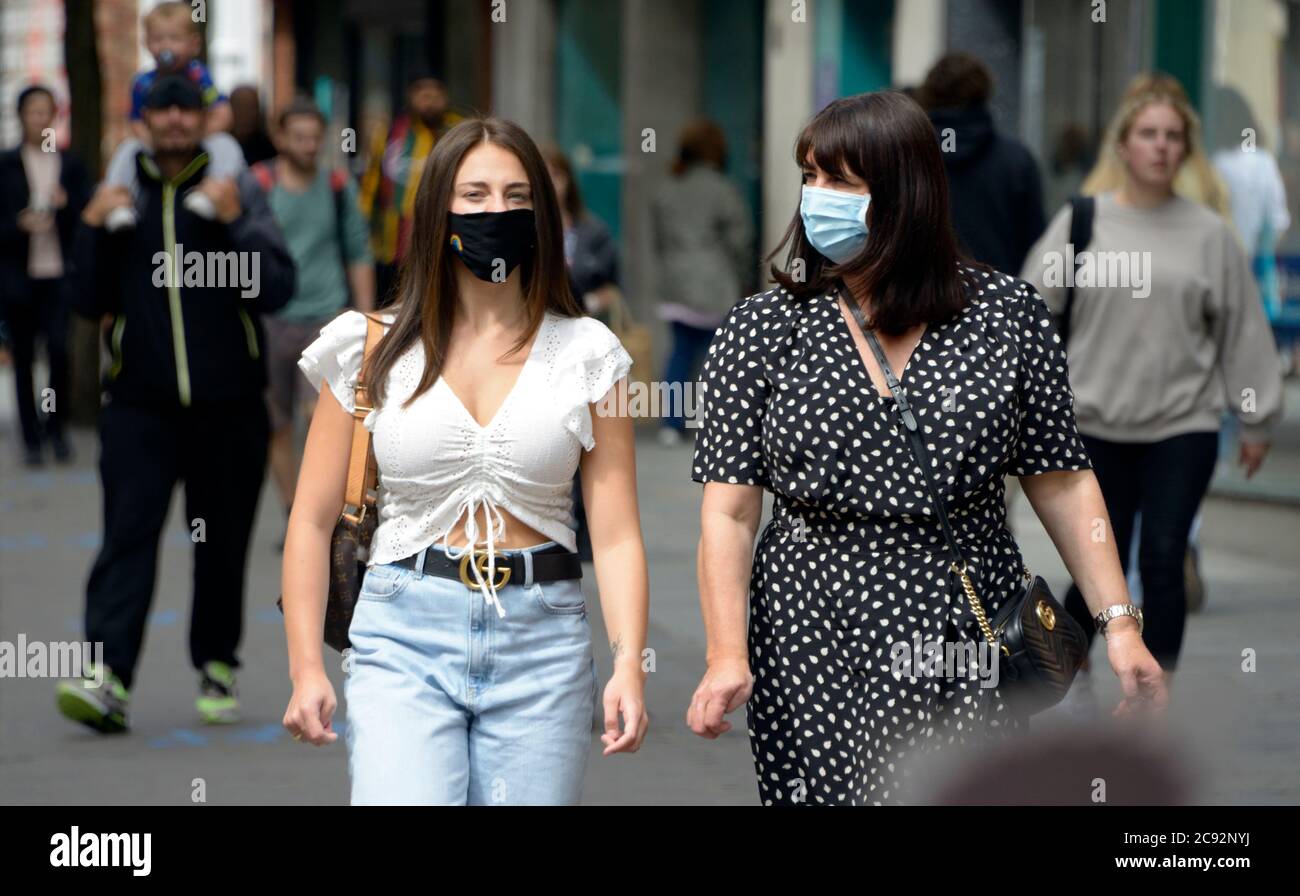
{"type": "Point", "coordinates": [910, 265]}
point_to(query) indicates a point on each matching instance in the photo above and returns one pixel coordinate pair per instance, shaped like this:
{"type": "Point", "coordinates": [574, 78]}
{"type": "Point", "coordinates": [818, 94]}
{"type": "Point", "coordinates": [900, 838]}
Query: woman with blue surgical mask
{"type": "Point", "coordinates": [827, 632]}
{"type": "Point", "coordinates": [835, 220]}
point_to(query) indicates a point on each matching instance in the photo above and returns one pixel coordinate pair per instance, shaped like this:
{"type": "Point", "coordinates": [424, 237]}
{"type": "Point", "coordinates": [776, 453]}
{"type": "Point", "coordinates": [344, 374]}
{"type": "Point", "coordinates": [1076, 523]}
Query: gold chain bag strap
{"type": "Point", "coordinates": [1040, 646]}
{"type": "Point", "coordinates": [350, 543]}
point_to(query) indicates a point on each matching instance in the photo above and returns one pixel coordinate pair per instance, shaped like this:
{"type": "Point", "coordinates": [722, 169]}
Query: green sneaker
{"type": "Point", "coordinates": [218, 702]}
{"type": "Point", "coordinates": [97, 700]}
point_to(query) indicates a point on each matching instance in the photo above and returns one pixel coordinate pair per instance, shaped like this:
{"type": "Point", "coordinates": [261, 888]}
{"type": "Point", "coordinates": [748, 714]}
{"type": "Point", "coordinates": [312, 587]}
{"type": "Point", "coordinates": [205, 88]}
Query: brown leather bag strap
{"type": "Point", "coordinates": [363, 474]}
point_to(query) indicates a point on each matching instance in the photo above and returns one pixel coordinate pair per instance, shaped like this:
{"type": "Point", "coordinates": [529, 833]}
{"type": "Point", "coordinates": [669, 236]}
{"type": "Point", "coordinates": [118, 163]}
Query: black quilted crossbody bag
{"type": "Point", "coordinates": [1040, 646]}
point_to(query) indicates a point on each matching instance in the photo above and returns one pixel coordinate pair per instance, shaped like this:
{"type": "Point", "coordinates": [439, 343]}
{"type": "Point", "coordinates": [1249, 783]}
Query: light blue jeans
{"type": "Point", "coordinates": [448, 704]}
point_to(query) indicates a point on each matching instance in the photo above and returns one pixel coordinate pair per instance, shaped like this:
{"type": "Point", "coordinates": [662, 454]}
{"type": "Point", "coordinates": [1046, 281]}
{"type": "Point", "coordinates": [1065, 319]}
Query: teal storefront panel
{"type": "Point", "coordinates": [865, 50]}
{"type": "Point", "coordinates": [588, 115]}
{"type": "Point", "coordinates": [1180, 44]}
{"type": "Point", "coordinates": [852, 47]}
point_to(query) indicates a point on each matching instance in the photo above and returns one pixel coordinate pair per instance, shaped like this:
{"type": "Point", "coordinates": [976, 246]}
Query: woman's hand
{"type": "Point", "coordinates": [311, 709]}
{"type": "Point", "coordinates": [726, 685]}
{"type": "Point", "coordinates": [1139, 674]}
{"type": "Point", "coordinates": [1252, 456]}
{"type": "Point", "coordinates": [608, 474]}
{"type": "Point", "coordinates": [625, 695]}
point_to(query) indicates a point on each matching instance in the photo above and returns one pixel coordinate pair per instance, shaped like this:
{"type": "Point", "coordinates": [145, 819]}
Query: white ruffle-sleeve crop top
{"type": "Point", "coordinates": [436, 463]}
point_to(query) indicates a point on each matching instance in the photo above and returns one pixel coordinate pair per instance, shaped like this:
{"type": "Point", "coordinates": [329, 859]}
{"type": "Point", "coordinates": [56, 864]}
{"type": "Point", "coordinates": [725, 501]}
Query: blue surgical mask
{"type": "Point", "coordinates": [835, 222]}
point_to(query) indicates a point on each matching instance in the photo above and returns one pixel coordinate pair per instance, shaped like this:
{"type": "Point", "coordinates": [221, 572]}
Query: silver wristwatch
{"type": "Point", "coordinates": [1114, 611]}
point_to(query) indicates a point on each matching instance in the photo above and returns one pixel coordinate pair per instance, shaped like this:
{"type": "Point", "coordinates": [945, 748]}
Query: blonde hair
{"type": "Point", "coordinates": [1196, 178]}
{"type": "Point", "coordinates": [171, 11]}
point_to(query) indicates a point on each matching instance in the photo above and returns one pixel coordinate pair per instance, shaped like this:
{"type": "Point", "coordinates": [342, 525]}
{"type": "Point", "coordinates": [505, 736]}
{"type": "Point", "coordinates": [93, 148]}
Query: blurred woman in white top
{"type": "Point", "coordinates": [470, 678]}
{"type": "Point", "coordinates": [1256, 189]}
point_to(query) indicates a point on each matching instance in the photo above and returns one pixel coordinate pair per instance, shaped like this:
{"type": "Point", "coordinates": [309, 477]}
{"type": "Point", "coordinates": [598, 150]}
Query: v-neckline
{"type": "Point", "coordinates": [846, 326]}
{"type": "Point", "coordinates": [532, 350]}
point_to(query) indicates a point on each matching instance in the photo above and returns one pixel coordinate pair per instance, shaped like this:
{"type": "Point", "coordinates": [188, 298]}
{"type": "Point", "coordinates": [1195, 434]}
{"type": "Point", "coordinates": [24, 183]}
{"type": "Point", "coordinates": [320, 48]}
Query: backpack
{"type": "Point", "coordinates": [266, 179]}
{"type": "Point", "coordinates": [1083, 209]}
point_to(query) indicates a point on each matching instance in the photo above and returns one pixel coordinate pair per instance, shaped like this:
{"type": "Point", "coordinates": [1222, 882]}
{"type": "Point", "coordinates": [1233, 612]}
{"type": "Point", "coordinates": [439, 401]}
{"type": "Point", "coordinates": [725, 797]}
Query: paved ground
{"type": "Point", "coordinates": [1240, 730]}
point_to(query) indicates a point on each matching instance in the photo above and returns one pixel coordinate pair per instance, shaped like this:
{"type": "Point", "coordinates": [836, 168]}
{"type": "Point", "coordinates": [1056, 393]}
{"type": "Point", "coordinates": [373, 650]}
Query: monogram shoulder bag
{"type": "Point", "coordinates": [350, 543]}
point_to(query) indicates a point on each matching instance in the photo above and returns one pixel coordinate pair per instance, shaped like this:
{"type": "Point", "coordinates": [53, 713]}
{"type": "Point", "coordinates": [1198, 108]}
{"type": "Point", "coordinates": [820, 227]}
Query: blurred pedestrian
{"type": "Point", "coordinates": [183, 401]}
{"type": "Point", "coordinates": [702, 236]}
{"type": "Point", "coordinates": [1257, 197]}
{"type": "Point", "coordinates": [1257, 194]}
{"type": "Point", "coordinates": [470, 677]}
{"type": "Point", "coordinates": [248, 125]}
{"type": "Point", "coordinates": [592, 259]}
{"type": "Point", "coordinates": [317, 211]}
{"type": "Point", "coordinates": [392, 178]}
{"type": "Point", "coordinates": [993, 180]}
{"type": "Point", "coordinates": [1199, 181]}
{"type": "Point", "coordinates": [589, 249]}
{"type": "Point", "coordinates": [42, 192]}
{"type": "Point", "coordinates": [173, 39]}
{"type": "Point", "coordinates": [1151, 352]}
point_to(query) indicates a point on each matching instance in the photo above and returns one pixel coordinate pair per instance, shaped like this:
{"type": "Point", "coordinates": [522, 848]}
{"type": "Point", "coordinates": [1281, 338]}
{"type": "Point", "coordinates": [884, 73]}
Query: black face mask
{"type": "Point", "coordinates": [493, 244]}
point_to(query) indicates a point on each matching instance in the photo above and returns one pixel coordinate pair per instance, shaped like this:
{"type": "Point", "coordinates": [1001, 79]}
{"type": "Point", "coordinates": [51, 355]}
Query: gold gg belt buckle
{"type": "Point", "coordinates": [480, 560]}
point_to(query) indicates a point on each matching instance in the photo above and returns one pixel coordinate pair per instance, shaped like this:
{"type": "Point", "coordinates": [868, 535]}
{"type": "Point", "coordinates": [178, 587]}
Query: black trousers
{"type": "Point", "coordinates": [219, 451]}
{"type": "Point", "coordinates": [1165, 481]}
{"type": "Point", "coordinates": [44, 316]}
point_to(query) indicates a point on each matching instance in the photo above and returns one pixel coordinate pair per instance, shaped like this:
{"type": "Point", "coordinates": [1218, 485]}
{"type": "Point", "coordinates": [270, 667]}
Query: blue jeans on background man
{"type": "Point", "coordinates": [450, 704]}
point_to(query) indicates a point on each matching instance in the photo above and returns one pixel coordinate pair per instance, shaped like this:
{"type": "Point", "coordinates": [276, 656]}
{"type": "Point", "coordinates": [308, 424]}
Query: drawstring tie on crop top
{"type": "Point", "coordinates": [495, 531]}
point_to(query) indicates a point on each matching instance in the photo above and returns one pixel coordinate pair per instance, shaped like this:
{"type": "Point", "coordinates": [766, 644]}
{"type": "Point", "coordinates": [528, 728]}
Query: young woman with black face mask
{"type": "Point", "coordinates": [471, 678]}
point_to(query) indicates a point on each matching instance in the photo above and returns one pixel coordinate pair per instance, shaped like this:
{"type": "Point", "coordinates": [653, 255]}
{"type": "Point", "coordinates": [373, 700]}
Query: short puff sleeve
{"type": "Point", "coordinates": [735, 390]}
{"type": "Point", "coordinates": [1048, 438]}
{"type": "Point", "coordinates": [335, 357]}
{"type": "Point", "coordinates": [589, 365]}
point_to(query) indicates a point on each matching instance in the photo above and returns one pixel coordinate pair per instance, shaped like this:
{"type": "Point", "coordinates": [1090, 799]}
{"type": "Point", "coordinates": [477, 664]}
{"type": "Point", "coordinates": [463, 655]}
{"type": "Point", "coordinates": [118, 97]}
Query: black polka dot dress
{"type": "Point", "coordinates": [853, 562]}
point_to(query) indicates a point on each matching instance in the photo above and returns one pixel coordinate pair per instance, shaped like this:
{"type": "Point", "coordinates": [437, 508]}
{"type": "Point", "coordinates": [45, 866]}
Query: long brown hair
{"type": "Point", "coordinates": [427, 294]}
{"type": "Point", "coordinates": [910, 264]}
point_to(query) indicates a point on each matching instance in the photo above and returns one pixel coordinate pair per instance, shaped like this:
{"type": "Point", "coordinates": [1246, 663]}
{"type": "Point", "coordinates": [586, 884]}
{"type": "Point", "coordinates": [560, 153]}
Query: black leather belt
{"type": "Point", "coordinates": [549, 565]}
